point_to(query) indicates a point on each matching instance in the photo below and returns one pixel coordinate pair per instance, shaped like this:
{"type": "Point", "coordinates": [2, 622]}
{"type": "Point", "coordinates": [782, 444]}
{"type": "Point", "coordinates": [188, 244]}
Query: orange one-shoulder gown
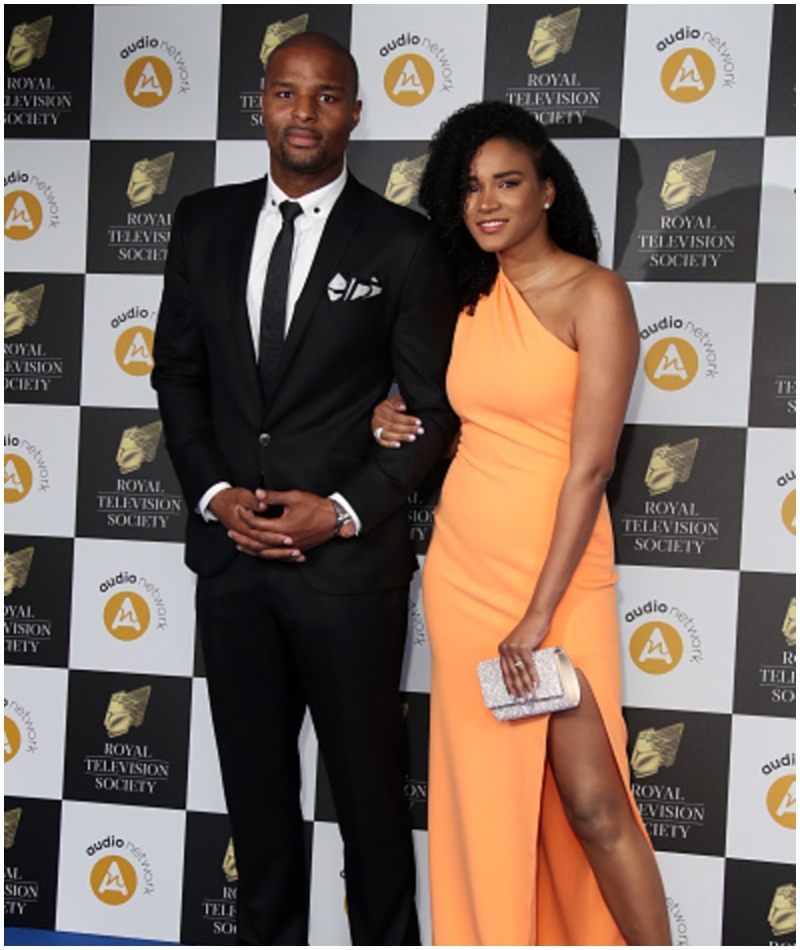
{"type": "Point", "coordinates": [506, 868]}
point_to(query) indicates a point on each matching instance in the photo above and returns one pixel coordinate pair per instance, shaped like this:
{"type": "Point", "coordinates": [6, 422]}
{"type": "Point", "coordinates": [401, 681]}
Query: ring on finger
{"type": "Point", "coordinates": [378, 433]}
{"type": "Point", "coordinates": [519, 663]}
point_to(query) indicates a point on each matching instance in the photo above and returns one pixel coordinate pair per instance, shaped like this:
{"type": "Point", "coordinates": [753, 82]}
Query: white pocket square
{"type": "Point", "coordinates": [350, 288]}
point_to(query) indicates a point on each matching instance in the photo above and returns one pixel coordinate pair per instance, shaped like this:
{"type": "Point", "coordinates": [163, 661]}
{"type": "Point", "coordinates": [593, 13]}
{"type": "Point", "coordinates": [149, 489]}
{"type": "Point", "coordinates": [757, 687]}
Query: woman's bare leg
{"type": "Point", "coordinates": [599, 811]}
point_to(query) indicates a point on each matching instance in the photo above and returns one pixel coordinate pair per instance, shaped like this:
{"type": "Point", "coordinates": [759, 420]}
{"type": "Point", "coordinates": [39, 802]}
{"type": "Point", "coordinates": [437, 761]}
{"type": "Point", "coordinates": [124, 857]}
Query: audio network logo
{"type": "Point", "coordinates": [21, 310]}
{"type": "Point", "coordinates": [789, 510]}
{"type": "Point", "coordinates": [671, 363]}
{"type": "Point", "coordinates": [278, 32]}
{"type": "Point", "coordinates": [23, 213]}
{"type": "Point", "coordinates": [656, 647]}
{"type": "Point", "coordinates": [552, 35]}
{"type": "Point", "coordinates": [134, 350]}
{"type": "Point", "coordinates": [126, 709]}
{"type": "Point", "coordinates": [782, 916]}
{"type": "Point", "coordinates": [16, 567]}
{"type": "Point", "coordinates": [149, 79]}
{"type": "Point", "coordinates": [18, 471]}
{"type": "Point", "coordinates": [12, 738]}
{"type": "Point", "coordinates": [782, 801]}
{"type": "Point", "coordinates": [126, 615]}
{"type": "Point", "coordinates": [689, 73]}
{"type": "Point", "coordinates": [404, 180]}
{"type": "Point", "coordinates": [19, 730]}
{"type": "Point", "coordinates": [28, 42]}
{"type": "Point", "coordinates": [410, 78]}
{"type": "Point", "coordinates": [113, 880]}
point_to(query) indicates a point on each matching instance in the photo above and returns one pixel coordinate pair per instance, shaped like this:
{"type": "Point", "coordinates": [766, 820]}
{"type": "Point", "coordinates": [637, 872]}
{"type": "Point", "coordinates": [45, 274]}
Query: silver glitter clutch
{"type": "Point", "coordinates": [558, 687]}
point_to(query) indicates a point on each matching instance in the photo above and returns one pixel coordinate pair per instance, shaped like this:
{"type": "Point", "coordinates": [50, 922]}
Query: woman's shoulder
{"type": "Point", "coordinates": [595, 288]}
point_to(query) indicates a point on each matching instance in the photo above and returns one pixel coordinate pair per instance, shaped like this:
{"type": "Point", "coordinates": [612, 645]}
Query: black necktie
{"type": "Point", "coordinates": [273, 306]}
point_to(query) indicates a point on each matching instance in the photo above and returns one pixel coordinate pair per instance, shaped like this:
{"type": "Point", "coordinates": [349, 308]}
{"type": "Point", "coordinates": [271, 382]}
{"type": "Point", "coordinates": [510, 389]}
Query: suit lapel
{"type": "Point", "coordinates": [339, 230]}
{"type": "Point", "coordinates": [238, 253]}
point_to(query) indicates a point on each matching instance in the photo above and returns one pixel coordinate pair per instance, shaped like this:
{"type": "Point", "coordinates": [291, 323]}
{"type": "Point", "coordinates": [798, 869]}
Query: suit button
{"type": "Point", "coordinates": [264, 438]}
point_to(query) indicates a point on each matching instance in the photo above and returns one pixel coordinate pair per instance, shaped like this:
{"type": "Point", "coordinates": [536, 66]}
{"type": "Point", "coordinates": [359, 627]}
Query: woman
{"type": "Point", "coordinates": [534, 836]}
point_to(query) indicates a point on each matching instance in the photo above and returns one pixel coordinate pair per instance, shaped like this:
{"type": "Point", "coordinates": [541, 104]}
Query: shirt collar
{"type": "Point", "coordinates": [316, 204]}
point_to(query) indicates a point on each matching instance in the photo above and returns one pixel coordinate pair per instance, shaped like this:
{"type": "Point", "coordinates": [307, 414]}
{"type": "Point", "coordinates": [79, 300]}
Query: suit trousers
{"type": "Point", "coordinates": [272, 646]}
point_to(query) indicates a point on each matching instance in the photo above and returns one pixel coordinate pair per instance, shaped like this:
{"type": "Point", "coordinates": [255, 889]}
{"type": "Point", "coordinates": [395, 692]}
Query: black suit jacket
{"type": "Point", "coordinates": [339, 359]}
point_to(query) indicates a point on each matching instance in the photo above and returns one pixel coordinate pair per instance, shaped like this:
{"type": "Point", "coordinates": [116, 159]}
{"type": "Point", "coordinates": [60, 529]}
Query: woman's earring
{"type": "Point", "coordinates": [547, 206]}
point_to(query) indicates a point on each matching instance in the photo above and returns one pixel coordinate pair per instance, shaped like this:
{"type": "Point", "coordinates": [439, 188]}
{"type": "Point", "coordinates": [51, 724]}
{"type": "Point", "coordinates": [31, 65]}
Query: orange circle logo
{"type": "Point", "coordinates": [113, 879]}
{"type": "Point", "coordinates": [126, 615]}
{"type": "Point", "coordinates": [671, 363]}
{"type": "Point", "coordinates": [23, 215]}
{"type": "Point", "coordinates": [134, 351]}
{"type": "Point", "coordinates": [789, 511]}
{"type": "Point", "coordinates": [656, 647]}
{"type": "Point", "coordinates": [13, 739]}
{"type": "Point", "coordinates": [17, 478]}
{"type": "Point", "coordinates": [782, 801]}
{"type": "Point", "coordinates": [148, 81]}
{"type": "Point", "coordinates": [688, 75]}
{"type": "Point", "coordinates": [409, 79]}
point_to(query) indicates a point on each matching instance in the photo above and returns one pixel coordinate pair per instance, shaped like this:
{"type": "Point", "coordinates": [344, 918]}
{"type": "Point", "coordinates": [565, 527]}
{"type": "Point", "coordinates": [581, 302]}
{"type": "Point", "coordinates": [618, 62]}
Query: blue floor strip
{"type": "Point", "coordinates": [29, 937]}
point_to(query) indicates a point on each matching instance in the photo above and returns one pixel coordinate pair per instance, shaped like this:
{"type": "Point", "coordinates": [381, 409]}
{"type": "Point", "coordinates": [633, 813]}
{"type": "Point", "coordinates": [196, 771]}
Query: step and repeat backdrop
{"type": "Point", "coordinates": [680, 121]}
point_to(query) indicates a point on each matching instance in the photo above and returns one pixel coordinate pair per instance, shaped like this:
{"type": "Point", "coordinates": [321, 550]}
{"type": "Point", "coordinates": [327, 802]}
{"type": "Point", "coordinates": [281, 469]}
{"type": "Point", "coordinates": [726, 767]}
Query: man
{"type": "Point", "coordinates": [297, 526]}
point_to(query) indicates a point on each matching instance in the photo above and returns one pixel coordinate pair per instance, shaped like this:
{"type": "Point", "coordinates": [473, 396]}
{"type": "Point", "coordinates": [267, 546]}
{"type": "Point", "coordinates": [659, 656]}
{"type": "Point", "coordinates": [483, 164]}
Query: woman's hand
{"type": "Point", "coordinates": [516, 656]}
{"type": "Point", "coordinates": [391, 424]}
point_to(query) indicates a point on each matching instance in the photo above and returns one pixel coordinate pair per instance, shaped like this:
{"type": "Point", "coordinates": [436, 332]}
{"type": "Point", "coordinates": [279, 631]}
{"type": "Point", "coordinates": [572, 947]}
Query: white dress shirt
{"type": "Point", "coordinates": [308, 228]}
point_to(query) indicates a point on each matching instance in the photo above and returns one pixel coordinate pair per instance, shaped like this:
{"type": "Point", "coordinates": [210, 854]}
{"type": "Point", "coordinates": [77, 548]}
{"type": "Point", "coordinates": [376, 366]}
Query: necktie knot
{"type": "Point", "coordinates": [290, 210]}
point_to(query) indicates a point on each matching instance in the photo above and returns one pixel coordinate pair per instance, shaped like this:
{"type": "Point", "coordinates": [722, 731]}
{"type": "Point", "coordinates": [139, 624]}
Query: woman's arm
{"type": "Point", "coordinates": [608, 345]}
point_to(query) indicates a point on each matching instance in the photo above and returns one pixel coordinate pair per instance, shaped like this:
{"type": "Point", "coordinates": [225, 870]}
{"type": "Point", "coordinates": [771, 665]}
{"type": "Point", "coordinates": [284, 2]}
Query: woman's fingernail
{"type": "Point", "coordinates": [530, 696]}
{"type": "Point", "coordinates": [412, 438]}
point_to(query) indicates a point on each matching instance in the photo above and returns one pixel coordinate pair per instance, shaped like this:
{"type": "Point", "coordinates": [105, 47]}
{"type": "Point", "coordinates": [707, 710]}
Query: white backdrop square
{"type": "Point", "coordinates": [777, 255]}
{"type": "Point", "coordinates": [596, 164]}
{"type": "Point", "coordinates": [328, 918]}
{"type": "Point", "coordinates": [240, 161]}
{"type": "Point", "coordinates": [694, 886]}
{"type": "Point", "coordinates": [695, 70]}
{"type": "Point", "coordinates": [762, 793]}
{"type": "Point", "coordinates": [204, 782]}
{"type": "Point", "coordinates": [678, 631]}
{"type": "Point", "coordinates": [46, 190]}
{"type": "Point", "coordinates": [770, 501]}
{"type": "Point", "coordinates": [120, 313]}
{"type": "Point", "coordinates": [694, 362]}
{"type": "Point", "coordinates": [40, 469]}
{"type": "Point", "coordinates": [132, 608]}
{"type": "Point", "coordinates": [416, 676]}
{"type": "Point", "coordinates": [120, 870]}
{"type": "Point", "coordinates": [308, 748]}
{"type": "Point", "coordinates": [417, 65]}
{"type": "Point", "coordinates": [35, 713]}
{"type": "Point", "coordinates": [159, 66]}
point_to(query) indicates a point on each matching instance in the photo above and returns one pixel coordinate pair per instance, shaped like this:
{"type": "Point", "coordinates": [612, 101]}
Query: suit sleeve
{"type": "Point", "coordinates": [181, 377]}
{"type": "Point", "coordinates": [421, 340]}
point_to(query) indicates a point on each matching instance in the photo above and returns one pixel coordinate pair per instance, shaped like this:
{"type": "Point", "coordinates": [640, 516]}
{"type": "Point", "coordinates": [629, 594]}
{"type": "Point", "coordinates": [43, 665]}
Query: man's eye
{"type": "Point", "coordinates": [326, 97]}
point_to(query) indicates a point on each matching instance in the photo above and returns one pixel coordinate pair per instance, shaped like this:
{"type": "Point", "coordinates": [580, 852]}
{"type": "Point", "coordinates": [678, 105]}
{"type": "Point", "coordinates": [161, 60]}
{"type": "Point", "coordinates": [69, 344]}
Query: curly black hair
{"type": "Point", "coordinates": [444, 187]}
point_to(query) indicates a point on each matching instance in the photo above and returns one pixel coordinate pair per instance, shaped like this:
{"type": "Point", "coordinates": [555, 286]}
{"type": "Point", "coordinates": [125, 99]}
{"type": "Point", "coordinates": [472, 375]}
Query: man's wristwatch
{"type": "Point", "coordinates": [345, 526]}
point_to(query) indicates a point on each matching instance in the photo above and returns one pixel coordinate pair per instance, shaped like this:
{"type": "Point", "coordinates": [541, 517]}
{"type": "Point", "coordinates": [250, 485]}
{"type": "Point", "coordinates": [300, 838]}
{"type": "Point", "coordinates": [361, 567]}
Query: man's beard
{"type": "Point", "coordinates": [303, 163]}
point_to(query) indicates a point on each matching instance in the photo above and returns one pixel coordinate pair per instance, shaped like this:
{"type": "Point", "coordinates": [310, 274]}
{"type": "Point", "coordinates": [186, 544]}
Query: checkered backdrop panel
{"type": "Point", "coordinates": [680, 121]}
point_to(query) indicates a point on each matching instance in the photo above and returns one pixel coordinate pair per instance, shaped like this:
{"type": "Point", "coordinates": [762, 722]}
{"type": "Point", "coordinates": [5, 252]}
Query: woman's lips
{"type": "Point", "coordinates": [491, 226]}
